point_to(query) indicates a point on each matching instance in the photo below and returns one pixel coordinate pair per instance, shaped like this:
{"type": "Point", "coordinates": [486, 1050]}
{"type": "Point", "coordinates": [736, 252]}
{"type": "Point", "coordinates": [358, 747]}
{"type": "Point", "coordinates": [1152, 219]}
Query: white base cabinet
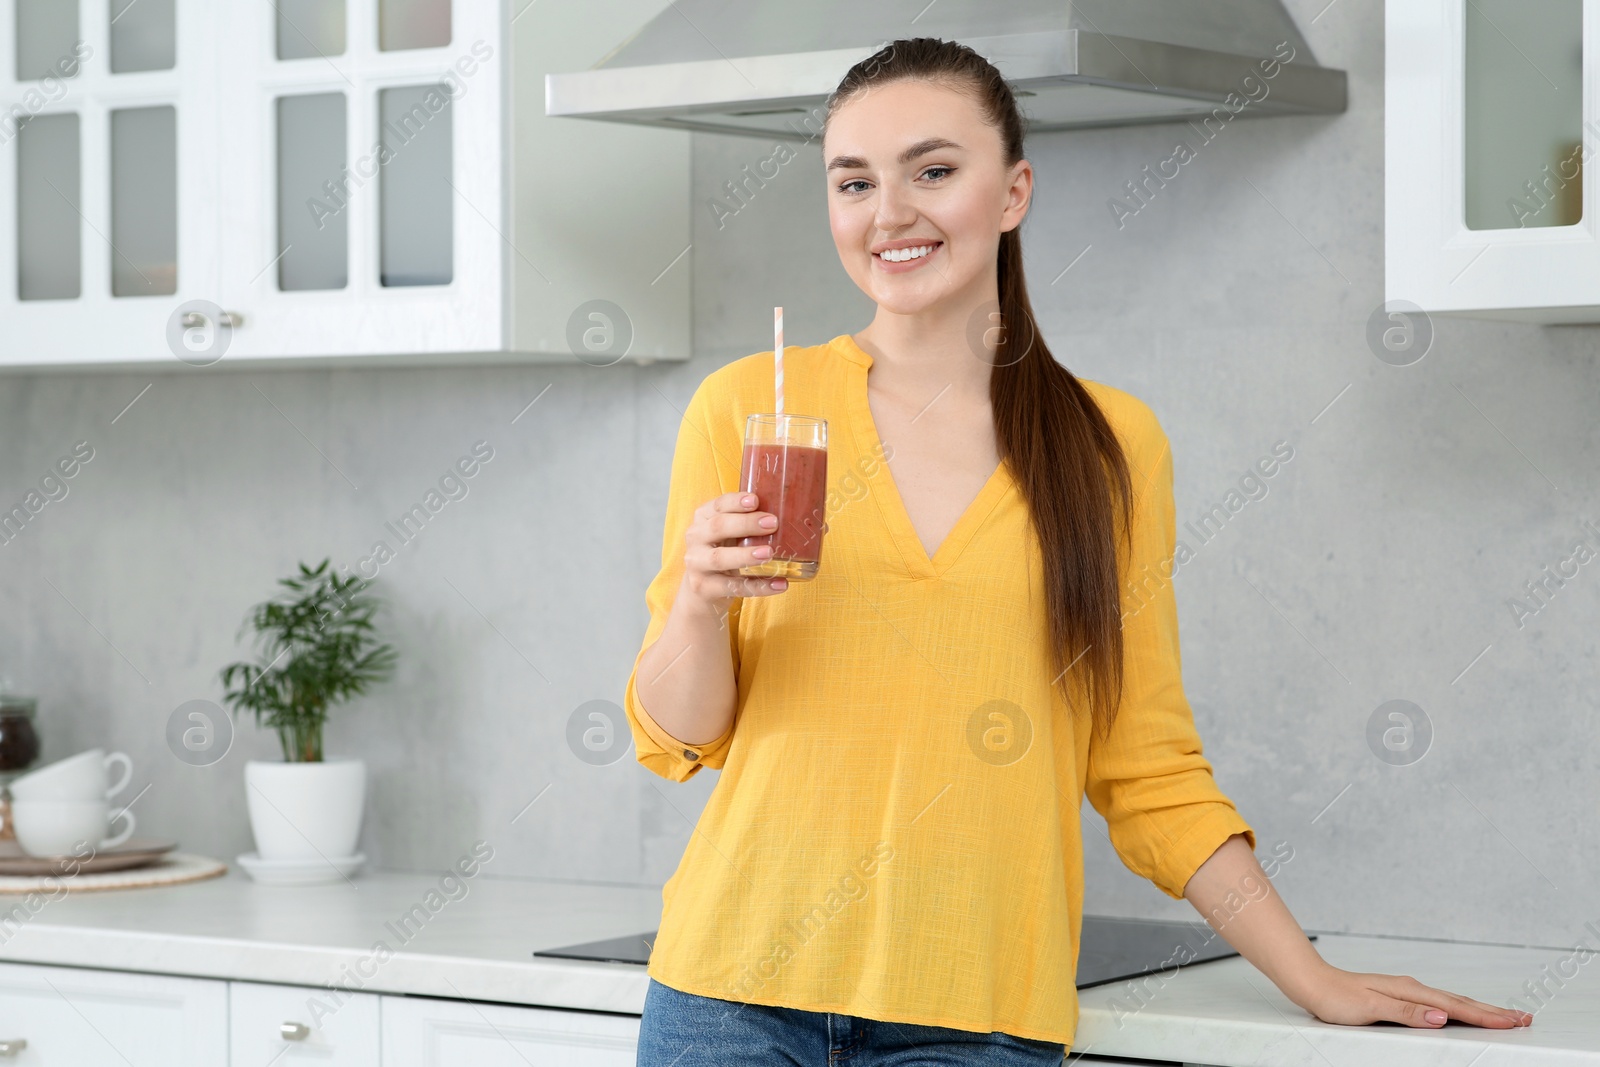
{"type": "Point", "coordinates": [72, 1017]}
{"type": "Point", "coordinates": [422, 1032]}
{"type": "Point", "coordinates": [79, 1017]}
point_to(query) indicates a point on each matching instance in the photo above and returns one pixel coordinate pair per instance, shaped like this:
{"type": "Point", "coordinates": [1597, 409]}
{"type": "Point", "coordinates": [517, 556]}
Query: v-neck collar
{"type": "Point", "coordinates": [890, 505]}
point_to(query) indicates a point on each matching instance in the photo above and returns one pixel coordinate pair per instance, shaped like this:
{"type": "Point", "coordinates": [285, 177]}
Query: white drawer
{"type": "Point", "coordinates": [340, 1030]}
{"type": "Point", "coordinates": [72, 1017]}
{"type": "Point", "coordinates": [423, 1032]}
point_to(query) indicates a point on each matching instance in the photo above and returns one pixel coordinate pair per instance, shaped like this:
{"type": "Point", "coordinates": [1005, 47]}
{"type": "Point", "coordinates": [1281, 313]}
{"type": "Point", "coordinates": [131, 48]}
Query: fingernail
{"type": "Point", "coordinates": [761, 552]}
{"type": "Point", "coordinates": [777, 583]}
{"type": "Point", "coordinates": [749, 501]}
{"type": "Point", "coordinates": [1436, 1017]}
{"type": "Point", "coordinates": [769, 521]}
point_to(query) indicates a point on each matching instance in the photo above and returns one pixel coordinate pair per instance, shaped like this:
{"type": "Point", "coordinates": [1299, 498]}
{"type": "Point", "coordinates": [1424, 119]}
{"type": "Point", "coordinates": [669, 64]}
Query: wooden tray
{"type": "Point", "coordinates": [134, 852]}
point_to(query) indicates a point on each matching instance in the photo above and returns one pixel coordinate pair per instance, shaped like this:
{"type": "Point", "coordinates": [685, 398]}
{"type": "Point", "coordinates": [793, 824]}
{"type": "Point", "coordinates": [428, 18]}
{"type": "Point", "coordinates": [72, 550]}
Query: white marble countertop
{"type": "Point", "coordinates": [1228, 1013]}
{"type": "Point", "coordinates": [480, 946]}
{"type": "Point", "coordinates": [477, 947]}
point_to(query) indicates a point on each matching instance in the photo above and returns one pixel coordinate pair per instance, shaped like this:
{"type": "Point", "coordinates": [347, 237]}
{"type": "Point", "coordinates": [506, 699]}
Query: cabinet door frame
{"type": "Point", "coordinates": [96, 328]}
{"type": "Point", "coordinates": [364, 318]}
{"type": "Point", "coordinates": [1539, 274]}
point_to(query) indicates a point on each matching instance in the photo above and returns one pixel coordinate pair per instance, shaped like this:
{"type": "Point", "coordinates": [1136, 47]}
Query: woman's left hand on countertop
{"type": "Point", "coordinates": [1234, 895]}
{"type": "Point", "coordinates": [1355, 998]}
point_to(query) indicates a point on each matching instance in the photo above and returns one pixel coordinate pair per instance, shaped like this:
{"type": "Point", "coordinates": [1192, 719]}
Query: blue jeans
{"type": "Point", "coordinates": [687, 1030]}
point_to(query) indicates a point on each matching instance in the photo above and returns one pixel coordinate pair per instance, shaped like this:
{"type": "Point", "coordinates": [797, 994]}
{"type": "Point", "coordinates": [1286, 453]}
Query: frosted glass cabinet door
{"type": "Point", "coordinates": [1491, 121]}
{"type": "Point", "coordinates": [364, 179]}
{"type": "Point", "coordinates": [108, 177]}
{"type": "Point", "coordinates": [351, 181]}
{"type": "Point", "coordinates": [49, 232]}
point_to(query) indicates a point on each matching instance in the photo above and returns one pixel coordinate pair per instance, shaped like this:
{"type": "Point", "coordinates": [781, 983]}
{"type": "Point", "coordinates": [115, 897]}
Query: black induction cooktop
{"type": "Point", "coordinates": [1112, 949]}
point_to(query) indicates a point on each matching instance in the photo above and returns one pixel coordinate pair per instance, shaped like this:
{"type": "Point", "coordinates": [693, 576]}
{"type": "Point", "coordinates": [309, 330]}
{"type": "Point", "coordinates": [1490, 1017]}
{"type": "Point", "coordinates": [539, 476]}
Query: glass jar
{"type": "Point", "coordinates": [19, 744]}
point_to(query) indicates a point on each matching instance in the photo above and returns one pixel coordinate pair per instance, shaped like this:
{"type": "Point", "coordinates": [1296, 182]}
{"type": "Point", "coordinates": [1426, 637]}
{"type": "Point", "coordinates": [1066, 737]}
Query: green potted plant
{"type": "Point", "coordinates": [317, 648]}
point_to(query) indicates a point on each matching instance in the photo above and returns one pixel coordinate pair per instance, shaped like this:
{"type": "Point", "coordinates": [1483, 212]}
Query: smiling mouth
{"type": "Point", "coordinates": [906, 255]}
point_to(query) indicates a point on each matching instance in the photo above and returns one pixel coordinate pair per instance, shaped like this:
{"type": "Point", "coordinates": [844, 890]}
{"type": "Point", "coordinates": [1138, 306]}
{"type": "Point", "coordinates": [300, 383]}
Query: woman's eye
{"type": "Point", "coordinates": [845, 187]}
{"type": "Point", "coordinates": [942, 172]}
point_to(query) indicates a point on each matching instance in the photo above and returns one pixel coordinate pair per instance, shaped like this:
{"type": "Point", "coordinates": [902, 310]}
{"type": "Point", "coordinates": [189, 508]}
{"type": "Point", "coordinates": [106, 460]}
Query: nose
{"type": "Point", "coordinates": [894, 208]}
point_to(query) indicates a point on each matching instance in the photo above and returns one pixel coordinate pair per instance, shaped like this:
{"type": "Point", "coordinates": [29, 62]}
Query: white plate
{"type": "Point", "coordinates": [301, 872]}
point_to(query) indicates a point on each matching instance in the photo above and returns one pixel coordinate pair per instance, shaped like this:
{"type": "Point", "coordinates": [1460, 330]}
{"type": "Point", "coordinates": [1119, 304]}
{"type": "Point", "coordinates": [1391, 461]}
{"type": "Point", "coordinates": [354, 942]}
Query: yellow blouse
{"type": "Point", "coordinates": [895, 833]}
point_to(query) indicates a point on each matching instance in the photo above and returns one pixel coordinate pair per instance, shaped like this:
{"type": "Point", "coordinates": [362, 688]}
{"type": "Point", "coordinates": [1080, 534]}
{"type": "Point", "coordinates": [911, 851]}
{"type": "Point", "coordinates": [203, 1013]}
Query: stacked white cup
{"type": "Point", "coordinates": [65, 806]}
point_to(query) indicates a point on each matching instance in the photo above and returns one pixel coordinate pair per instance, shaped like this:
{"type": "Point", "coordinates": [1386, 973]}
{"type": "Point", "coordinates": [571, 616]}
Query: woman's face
{"type": "Point", "coordinates": [912, 164]}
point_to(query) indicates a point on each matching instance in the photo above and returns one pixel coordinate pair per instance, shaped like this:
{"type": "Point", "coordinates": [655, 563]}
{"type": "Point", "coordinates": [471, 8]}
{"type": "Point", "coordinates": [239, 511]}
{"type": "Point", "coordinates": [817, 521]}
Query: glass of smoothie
{"type": "Point", "coordinates": [786, 466]}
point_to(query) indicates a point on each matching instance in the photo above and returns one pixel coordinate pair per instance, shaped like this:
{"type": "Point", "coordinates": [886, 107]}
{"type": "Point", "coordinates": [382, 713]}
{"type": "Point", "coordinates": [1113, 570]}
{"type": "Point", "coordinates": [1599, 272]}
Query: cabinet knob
{"type": "Point", "coordinates": [12, 1047]}
{"type": "Point", "coordinates": [194, 320]}
{"type": "Point", "coordinates": [294, 1031]}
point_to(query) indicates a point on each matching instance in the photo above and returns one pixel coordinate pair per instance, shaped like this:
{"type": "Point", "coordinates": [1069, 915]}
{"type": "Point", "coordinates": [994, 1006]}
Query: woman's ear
{"type": "Point", "coordinates": [1019, 194]}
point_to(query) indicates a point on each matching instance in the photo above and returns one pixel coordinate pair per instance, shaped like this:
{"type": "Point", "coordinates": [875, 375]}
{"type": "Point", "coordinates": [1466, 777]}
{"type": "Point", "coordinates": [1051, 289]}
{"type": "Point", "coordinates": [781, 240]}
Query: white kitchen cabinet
{"type": "Point", "coordinates": [108, 213]}
{"type": "Point", "coordinates": [367, 182]}
{"type": "Point", "coordinates": [73, 1017]}
{"type": "Point", "coordinates": [1491, 115]}
{"type": "Point", "coordinates": [423, 1032]}
{"type": "Point", "coordinates": [286, 1024]}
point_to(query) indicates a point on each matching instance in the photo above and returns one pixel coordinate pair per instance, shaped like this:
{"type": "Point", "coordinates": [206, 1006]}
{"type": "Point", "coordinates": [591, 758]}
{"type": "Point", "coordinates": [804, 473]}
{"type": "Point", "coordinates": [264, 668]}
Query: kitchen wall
{"type": "Point", "coordinates": [1379, 563]}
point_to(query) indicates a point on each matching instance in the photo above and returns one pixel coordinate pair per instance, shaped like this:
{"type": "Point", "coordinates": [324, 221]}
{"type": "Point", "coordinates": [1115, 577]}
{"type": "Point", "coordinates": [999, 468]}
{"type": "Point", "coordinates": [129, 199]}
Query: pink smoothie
{"type": "Point", "coordinates": [791, 482]}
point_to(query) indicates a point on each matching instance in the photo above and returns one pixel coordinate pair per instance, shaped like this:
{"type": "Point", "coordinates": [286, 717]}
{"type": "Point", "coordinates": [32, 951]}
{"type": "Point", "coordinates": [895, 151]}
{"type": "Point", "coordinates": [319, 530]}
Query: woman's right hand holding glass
{"type": "Point", "coordinates": [712, 553]}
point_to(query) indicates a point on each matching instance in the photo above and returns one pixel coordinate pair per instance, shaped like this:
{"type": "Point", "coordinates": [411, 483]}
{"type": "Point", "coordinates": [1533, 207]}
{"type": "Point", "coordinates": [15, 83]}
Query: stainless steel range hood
{"type": "Point", "coordinates": [765, 67]}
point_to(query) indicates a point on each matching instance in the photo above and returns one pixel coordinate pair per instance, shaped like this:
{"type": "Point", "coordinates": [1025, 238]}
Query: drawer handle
{"type": "Point", "coordinates": [194, 320]}
{"type": "Point", "coordinates": [294, 1031]}
{"type": "Point", "coordinates": [14, 1046]}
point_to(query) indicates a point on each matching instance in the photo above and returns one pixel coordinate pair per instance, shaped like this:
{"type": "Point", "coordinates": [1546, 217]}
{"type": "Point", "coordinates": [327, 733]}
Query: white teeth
{"type": "Point", "coordinates": [900, 255]}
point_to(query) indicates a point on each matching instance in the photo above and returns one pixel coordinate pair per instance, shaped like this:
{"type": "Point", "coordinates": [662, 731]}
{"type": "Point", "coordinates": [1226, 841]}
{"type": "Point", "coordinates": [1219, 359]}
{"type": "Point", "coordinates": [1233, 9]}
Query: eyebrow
{"type": "Point", "coordinates": [921, 148]}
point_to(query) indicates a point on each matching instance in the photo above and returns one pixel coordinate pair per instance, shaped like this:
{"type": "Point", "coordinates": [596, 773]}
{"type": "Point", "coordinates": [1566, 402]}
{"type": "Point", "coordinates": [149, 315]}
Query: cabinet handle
{"type": "Point", "coordinates": [294, 1031]}
{"type": "Point", "coordinates": [14, 1046]}
{"type": "Point", "coordinates": [193, 320]}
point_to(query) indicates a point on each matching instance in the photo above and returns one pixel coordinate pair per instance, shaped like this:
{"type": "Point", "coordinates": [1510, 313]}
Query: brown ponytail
{"type": "Point", "coordinates": [1061, 449]}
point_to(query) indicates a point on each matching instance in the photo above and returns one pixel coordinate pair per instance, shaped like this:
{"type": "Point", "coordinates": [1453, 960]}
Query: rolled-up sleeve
{"type": "Point", "coordinates": [1148, 778]}
{"type": "Point", "coordinates": [700, 470]}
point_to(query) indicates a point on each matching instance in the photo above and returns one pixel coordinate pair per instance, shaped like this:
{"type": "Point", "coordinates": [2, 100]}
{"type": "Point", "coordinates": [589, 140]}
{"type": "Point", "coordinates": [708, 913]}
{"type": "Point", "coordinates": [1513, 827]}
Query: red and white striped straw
{"type": "Point", "coordinates": [777, 357]}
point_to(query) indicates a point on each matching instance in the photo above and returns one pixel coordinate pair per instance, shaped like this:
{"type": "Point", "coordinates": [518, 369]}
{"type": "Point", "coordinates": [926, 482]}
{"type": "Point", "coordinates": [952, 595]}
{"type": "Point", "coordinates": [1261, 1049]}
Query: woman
{"type": "Point", "coordinates": [889, 866]}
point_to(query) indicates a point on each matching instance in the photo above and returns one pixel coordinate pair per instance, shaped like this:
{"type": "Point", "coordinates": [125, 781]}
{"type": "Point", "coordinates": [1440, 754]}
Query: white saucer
{"type": "Point", "coordinates": [300, 872]}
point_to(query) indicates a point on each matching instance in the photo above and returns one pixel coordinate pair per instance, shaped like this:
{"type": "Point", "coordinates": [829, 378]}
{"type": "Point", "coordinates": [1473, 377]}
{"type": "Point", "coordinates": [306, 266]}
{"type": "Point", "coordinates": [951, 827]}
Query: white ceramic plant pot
{"type": "Point", "coordinates": [306, 811]}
